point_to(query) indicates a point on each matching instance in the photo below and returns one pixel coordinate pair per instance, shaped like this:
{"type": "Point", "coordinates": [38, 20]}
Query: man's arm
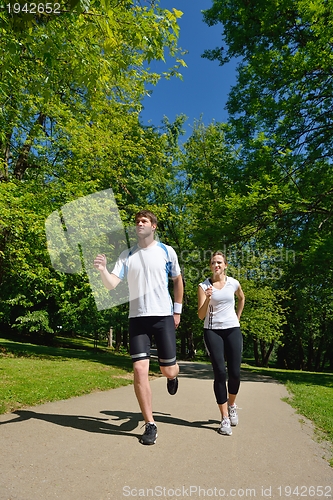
{"type": "Point", "coordinates": [110, 280]}
{"type": "Point", "coordinates": [178, 291]}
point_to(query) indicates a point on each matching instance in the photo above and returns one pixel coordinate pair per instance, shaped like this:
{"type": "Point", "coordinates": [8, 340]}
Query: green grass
{"type": "Point", "coordinates": [33, 374]}
{"type": "Point", "coordinates": [311, 394]}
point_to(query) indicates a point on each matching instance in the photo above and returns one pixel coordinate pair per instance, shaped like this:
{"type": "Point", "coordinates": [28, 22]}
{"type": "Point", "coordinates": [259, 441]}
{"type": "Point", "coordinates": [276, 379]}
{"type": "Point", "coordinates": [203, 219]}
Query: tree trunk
{"type": "Point", "coordinates": [110, 337]}
{"type": "Point", "coordinates": [319, 354]}
{"type": "Point", "coordinates": [301, 354]}
{"type": "Point", "coordinates": [256, 352]}
{"type": "Point", "coordinates": [95, 341]}
{"type": "Point", "coordinates": [190, 345]}
{"type": "Point", "coordinates": [268, 355]}
{"type": "Point", "coordinates": [125, 337]}
{"type": "Point", "coordinates": [118, 339]}
{"type": "Point", "coordinates": [262, 344]}
{"type": "Point", "coordinates": [309, 364]}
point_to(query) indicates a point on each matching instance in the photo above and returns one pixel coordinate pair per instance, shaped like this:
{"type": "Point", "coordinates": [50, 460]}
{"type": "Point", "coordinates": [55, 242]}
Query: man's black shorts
{"type": "Point", "coordinates": [143, 329]}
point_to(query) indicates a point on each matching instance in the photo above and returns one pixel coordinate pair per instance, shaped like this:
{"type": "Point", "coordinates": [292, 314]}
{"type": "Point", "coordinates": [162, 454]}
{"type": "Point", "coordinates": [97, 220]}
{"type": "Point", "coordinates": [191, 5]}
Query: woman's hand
{"type": "Point", "coordinates": [203, 300]}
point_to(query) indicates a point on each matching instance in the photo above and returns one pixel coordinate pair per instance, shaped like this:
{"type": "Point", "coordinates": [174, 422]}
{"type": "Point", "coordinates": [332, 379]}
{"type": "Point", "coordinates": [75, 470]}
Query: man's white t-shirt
{"type": "Point", "coordinates": [221, 312]}
{"type": "Point", "coordinates": [147, 271]}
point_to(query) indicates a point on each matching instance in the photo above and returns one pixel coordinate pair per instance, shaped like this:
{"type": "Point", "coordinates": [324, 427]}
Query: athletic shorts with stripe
{"type": "Point", "coordinates": [143, 329]}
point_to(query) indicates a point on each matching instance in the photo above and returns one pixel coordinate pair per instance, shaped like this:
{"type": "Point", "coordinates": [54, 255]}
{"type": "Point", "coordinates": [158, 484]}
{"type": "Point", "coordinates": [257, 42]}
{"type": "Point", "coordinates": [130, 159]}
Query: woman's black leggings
{"type": "Point", "coordinates": [225, 344]}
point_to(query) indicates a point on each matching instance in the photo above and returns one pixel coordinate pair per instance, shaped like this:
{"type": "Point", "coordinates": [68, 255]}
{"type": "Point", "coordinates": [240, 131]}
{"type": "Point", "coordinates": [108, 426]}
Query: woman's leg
{"type": "Point", "coordinates": [215, 348]}
{"type": "Point", "coordinates": [233, 343]}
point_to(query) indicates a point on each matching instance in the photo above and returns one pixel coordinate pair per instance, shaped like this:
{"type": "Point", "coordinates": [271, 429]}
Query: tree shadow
{"type": "Point", "coordinates": [128, 421]}
{"type": "Point", "coordinates": [123, 423]}
{"type": "Point", "coordinates": [249, 376]}
{"type": "Point", "coordinates": [191, 369]}
{"type": "Point", "coordinates": [204, 371]}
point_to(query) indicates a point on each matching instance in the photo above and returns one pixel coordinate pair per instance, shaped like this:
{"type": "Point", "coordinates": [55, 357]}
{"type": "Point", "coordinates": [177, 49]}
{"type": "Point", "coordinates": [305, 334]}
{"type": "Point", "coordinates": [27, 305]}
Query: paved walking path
{"type": "Point", "coordinates": [87, 448]}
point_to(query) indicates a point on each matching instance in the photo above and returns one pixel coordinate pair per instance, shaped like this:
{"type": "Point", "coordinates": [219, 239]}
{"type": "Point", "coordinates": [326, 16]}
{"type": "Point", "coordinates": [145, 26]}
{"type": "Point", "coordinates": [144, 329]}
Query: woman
{"type": "Point", "coordinates": [222, 335]}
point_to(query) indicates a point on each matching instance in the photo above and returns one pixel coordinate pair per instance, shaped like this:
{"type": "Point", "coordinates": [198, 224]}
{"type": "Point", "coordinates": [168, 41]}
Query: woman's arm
{"type": "Point", "coordinates": [240, 302]}
{"type": "Point", "coordinates": [203, 301]}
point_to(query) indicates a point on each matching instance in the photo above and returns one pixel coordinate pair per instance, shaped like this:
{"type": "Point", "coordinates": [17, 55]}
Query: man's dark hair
{"type": "Point", "coordinates": [148, 214]}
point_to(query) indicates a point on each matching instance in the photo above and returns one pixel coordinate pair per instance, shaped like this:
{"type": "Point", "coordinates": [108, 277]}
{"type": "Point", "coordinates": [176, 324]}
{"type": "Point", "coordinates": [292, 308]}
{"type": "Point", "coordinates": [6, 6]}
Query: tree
{"type": "Point", "coordinates": [280, 114]}
{"type": "Point", "coordinates": [218, 216]}
{"type": "Point", "coordinates": [263, 319]}
{"type": "Point", "coordinates": [283, 95]}
{"type": "Point", "coordinates": [69, 127]}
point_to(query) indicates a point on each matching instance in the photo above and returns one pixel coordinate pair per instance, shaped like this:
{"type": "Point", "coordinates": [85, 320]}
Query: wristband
{"type": "Point", "coordinates": [177, 308]}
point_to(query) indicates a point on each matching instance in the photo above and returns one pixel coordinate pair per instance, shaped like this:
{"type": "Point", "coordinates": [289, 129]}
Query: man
{"type": "Point", "coordinates": [147, 266]}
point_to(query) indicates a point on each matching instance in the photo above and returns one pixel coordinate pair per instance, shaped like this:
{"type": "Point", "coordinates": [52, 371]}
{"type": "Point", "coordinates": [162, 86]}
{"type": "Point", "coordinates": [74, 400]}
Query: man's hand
{"type": "Point", "coordinates": [110, 281]}
{"type": "Point", "coordinates": [176, 318]}
{"type": "Point", "coordinates": [100, 262]}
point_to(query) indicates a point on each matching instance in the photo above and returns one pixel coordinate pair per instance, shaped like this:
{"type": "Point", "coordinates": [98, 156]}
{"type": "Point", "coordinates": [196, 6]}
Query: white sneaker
{"type": "Point", "coordinates": [225, 427]}
{"type": "Point", "coordinates": [233, 415]}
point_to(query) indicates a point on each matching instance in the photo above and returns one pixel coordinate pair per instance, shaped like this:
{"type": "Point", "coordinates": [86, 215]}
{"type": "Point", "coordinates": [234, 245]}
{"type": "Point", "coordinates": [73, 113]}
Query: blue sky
{"type": "Point", "coordinates": [205, 85]}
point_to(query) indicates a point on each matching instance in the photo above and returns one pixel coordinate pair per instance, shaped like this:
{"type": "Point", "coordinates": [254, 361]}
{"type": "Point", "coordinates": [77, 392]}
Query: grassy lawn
{"type": "Point", "coordinates": [311, 394]}
{"type": "Point", "coordinates": [33, 374]}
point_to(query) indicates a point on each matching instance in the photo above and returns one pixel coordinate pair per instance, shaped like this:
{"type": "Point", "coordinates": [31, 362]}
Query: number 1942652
{"type": "Point", "coordinates": [33, 8]}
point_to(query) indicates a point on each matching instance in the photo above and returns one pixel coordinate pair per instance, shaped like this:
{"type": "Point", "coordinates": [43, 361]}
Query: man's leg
{"type": "Point", "coordinates": [140, 351]}
{"type": "Point", "coordinates": [170, 371]}
{"type": "Point", "coordinates": [165, 338]}
{"type": "Point", "coordinates": [142, 388]}
{"type": "Point", "coordinates": [143, 394]}
{"type": "Point", "coordinates": [140, 341]}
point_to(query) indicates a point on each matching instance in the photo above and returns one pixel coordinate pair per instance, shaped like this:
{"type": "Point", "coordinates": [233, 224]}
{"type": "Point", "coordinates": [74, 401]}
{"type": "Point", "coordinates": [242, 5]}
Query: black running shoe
{"type": "Point", "coordinates": [150, 434]}
{"type": "Point", "coordinates": [172, 386]}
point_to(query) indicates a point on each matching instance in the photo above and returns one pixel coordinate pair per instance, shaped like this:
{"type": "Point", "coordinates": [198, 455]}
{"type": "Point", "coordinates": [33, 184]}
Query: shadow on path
{"type": "Point", "coordinates": [129, 421]}
{"type": "Point", "coordinates": [204, 371]}
{"type": "Point", "coordinates": [248, 376]}
{"type": "Point", "coordinates": [195, 370]}
{"type": "Point", "coordinates": [123, 423]}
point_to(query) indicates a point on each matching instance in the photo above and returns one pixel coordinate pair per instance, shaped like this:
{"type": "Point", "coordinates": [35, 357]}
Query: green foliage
{"type": "Point", "coordinates": [218, 216]}
{"type": "Point", "coordinates": [279, 113]}
{"type": "Point", "coordinates": [263, 319]}
{"type": "Point", "coordinates": [279, 106]}
{"type": "Point", "coordinates": [258, 188]}
{"type": "Point", "coordinates": [69, 127]}
{"type": "Point", "coordinates": [36, 321]}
